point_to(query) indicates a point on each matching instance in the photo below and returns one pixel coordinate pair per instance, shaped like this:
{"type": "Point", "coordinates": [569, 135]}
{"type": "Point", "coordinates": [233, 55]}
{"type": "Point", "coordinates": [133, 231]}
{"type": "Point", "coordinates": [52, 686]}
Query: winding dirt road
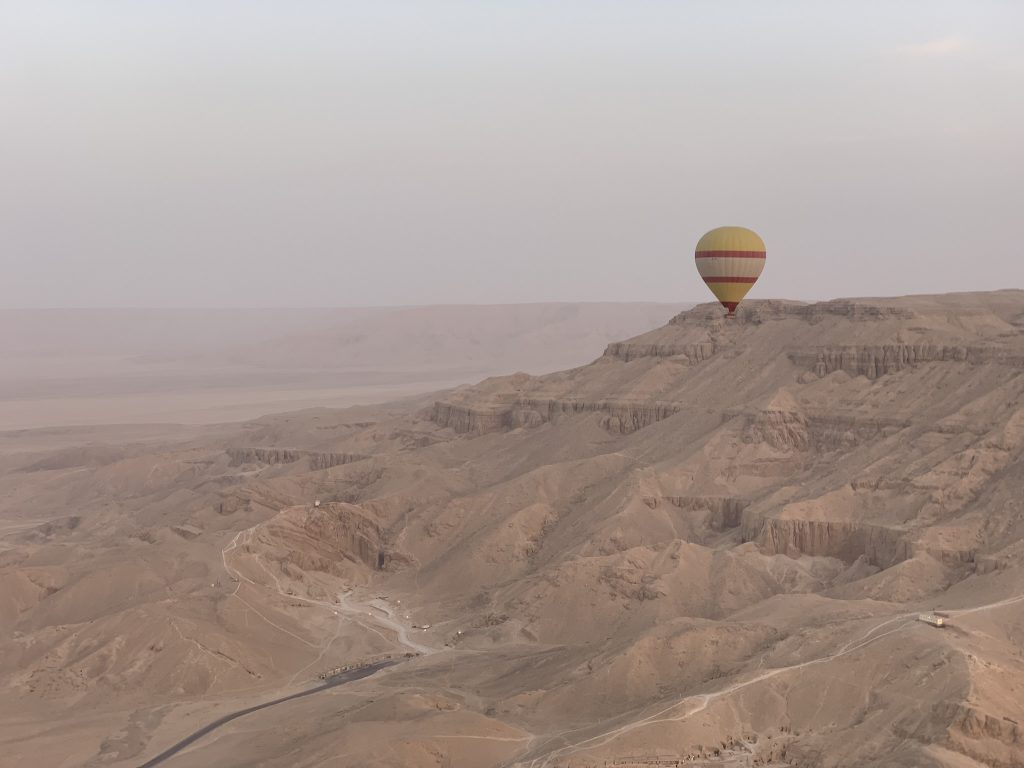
{"type": "Point", "coordinates": [700, 702]}
{"type": "Point", "coordinates": [357, 611]}
{"type": "Point", "coordinates": [383, 618]}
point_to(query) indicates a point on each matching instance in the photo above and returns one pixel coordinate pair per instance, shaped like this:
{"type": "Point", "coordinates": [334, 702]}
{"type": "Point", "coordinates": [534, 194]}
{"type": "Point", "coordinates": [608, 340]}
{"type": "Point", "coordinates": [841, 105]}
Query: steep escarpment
{"type": "Point", "coordinates": [868, 337]}
{"type": "Point", "coordinates": [995, 740]}
{"type": "Point", "coordinates": [316, 459]}
{"type": "Point", "coordinates": [799, 430]}
{"type": "Point", "coordinates": [721, 512]}
{"type": "Point", "coordinates": [753, 367]}
{"type": "Point", "coordinates": [325, 538]}
{"type": "Point", "coordinates": [874, 361]}
{"type": "Point", "coordinates": [691, 353]}
{"type": "Point", "coordinates": [468, 419]}
{"type": "Point", "coordinates": [844, 540]}
{"type": "Point", "coordinates": [622, 417]}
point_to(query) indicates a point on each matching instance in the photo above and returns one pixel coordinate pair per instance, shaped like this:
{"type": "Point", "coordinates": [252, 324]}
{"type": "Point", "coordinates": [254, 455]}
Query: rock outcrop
{"type": "Point", "coordinates": [781, 429]}
{"type": "Point", "coordinates": [619, 416]}
{"type": "Point", "coordinates": [794, 430]}
{"type": "Point", "coordinates": [843, 540]}
{"type": "Point", "coordinates": [759, 311]}
{"type": "Point", "coordinates": [722, 512]}
{"type": "Point", "coordinates": [874, 361]}
{"type": "Point", "coordinates": [692, 353]}
{"type": "Point", "coordinates": [993, 740]}
{"type": "Point", "coordinates": [317, 460]}
{"type": "Point", "coordinates": [322, 538]}
{"type": "Point", "coordinates": [467, 419]}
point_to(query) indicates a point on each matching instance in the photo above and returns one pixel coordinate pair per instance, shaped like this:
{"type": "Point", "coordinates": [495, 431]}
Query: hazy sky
{"type": "Point", "coordinates": [251, 153]}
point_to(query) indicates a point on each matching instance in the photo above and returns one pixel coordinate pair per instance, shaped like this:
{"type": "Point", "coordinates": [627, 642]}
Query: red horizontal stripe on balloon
{"type": "Point", "coordinates": [710, 280]}
{"type": "Point", "coordinates": [730, 254]}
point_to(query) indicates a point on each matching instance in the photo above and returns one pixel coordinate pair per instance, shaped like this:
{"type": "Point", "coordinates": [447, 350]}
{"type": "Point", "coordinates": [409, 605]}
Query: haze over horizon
{"type": "Point", "coordinates": [345, 154]}
{"type": "Point", "coordinates": [363, 401]}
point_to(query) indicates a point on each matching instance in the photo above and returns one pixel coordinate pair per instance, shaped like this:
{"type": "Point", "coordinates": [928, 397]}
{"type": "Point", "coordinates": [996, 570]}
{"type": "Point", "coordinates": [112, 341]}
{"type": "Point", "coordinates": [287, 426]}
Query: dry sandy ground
{"type": "Point", "coordinates": [710, 545]}
{"type": "Point", "coordinates": [79, 367]}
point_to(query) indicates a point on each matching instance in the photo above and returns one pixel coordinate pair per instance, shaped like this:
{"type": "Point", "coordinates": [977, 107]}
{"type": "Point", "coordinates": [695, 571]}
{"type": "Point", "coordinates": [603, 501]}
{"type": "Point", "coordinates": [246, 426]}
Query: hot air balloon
{"type": "Point", "coordinates": [730, 260]}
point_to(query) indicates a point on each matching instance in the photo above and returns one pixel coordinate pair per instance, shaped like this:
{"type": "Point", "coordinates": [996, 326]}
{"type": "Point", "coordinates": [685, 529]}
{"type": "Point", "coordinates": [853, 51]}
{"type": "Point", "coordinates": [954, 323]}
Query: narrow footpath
{"type": "Point", "coordinates": [383, 618]}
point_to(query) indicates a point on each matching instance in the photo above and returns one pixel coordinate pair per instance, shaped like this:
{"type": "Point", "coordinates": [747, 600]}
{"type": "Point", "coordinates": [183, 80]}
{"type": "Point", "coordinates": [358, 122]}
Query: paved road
{"type": "Point", "coordinates": [345, 677]}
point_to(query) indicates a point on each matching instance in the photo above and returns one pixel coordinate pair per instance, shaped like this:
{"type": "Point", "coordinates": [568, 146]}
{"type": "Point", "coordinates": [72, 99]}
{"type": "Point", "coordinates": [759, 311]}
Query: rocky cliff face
{"type": "Point", "coordinates": [765, 310]}
{"type": "Point", "coordinates": [616, 416]}
{"type": "Point", "coordinates": [857, 311]}
{"type": "Point", "coordinates": [467, 419]}
{"type": "Point", "coordinates": [798, 431]}
{"type": "Point", "coordinates": [622, 417]}
{"type": "Point", "coordinates": [847, 541]}
{"type": "Point", "coordinates": [874, 361]}
{"type": "Point", "coordinates": [692, 353]}
{"type": "Point", "coordinates": [722, 512]}
{"type": "Point", "coordinates": [323, 538]}
{"type": "Point", "coordinates": [784, 430]}
{"type": "Point", "coordinates": [316, 459]}
{"type": "Point", "coordinates": [993, 740]}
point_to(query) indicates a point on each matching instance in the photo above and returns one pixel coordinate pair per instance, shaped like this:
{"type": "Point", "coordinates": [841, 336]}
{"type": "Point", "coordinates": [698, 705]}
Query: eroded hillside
{"type": "Point", "coordinates": [711, 544]}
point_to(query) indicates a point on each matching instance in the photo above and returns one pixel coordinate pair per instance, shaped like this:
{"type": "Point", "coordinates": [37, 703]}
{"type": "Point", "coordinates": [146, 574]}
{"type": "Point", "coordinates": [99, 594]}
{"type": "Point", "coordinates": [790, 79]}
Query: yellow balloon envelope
{"type": "Point", "coordinates": [730, 260]}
